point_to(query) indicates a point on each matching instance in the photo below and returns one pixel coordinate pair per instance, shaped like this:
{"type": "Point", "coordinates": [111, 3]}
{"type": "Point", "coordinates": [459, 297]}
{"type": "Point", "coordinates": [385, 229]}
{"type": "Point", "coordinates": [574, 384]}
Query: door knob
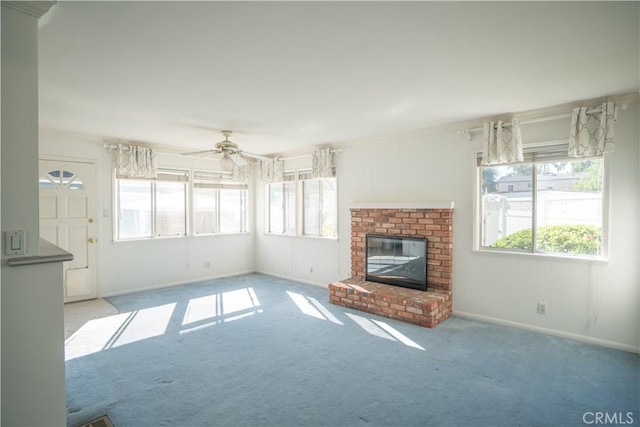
{"type": "Point", "coordinates": [92, 240]}
{"type": "Point", "coordinates": [90, 220]}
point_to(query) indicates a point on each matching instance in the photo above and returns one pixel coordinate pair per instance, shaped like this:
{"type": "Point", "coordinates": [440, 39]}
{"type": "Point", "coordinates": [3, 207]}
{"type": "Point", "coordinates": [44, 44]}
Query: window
{"type": "Point", "coordinates": [219, 205]}
{"type": "Point", "coordinates": [205, 209]}
{"type": "Point", "coordinates": [134, 209]}
{"type": "Point", "coordinates": [148, 208]}
{"type": "Point", "coordinates": [61, 179]}
{"type": "Point", "coordinates": [233, 212]}
{"type": "Point", "coordinates": [171, 211]}
{"type": "Point", "coordinates": [548, 204]}
{"type": "Point", "coordinates": [320, 211]}
{"type": "Point", "coordinates": [282, 206]}
{"type": "Point", "coordinates": [302, 205]}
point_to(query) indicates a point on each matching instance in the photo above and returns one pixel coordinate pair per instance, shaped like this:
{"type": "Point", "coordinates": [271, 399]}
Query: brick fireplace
{"type": "Point", "coordinates": [430, 220]}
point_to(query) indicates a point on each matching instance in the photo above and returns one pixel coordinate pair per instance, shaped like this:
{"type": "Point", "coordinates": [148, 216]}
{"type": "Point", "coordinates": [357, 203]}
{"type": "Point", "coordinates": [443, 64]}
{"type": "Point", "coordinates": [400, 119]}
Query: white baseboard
{"type": "Point", "coordinates": [171, 284]}
{"type": "Point", "coordinates": [546, 331]}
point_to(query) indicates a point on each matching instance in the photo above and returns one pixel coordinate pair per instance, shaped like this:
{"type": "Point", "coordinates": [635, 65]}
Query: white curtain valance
{"type": "Point", "coordinates": [322, 163]}
{"type": "Point", "coordinates": [502, 143]}
{"type": "Point", "coordinates": [240, 174]}
{"type": "Point", "coordinates": [592, 131]}
{"type": "Point", "coordinates": [272, 170]}
{"type": "Point", "coordinates": [134, 161]}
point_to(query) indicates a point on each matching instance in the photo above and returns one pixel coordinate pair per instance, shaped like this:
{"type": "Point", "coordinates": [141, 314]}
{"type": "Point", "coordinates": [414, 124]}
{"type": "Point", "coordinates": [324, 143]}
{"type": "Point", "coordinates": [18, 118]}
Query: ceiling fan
{"type": "Point", "coordinates": [231, 153]}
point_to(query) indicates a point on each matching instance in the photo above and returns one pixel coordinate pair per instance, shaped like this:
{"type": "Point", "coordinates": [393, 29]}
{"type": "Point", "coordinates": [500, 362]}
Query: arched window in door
{"type": "Point", "coordinates": [57, 179]}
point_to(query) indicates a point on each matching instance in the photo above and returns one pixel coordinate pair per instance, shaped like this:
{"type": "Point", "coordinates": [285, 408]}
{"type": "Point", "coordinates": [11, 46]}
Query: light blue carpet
{"type": "Point", "coordinates": [256, 350]}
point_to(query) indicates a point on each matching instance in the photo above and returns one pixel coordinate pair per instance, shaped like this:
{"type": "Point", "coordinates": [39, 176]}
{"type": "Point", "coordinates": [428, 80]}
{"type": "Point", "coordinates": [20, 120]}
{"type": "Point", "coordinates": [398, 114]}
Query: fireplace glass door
{"type": "Point", "coordinates": [399, 261]}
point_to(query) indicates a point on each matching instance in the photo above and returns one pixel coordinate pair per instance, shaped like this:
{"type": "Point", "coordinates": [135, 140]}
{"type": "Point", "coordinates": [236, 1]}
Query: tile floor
{"type": "Point", "coordinates": [77, 314]}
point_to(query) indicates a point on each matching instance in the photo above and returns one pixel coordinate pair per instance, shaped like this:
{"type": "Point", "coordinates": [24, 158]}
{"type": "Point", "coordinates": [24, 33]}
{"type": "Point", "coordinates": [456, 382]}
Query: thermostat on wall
{"type": "Point", "coordinates": [15, 242]}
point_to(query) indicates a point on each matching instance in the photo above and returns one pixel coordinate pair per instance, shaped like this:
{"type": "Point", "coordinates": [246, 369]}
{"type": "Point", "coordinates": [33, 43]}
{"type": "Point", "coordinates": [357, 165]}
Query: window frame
{"type": "Point", "coordinates": [164, 175]}
{"type": "Point", "coordinates": [218, 182]}
{"type": "Point", "coordinates": [189, 178]}
{"type": "Point", "coordinates": [298, 178]}
{"type": "Point", "coordinates": [543, 147]}
{"type": "Point", "coordinates": [185, 208]}
{"type": "Point", "coordinates": [289, 178]}
{"type": "Point", "coordinates": [117, 213]}
{"type": "Point", "coordinates": [321, 197]}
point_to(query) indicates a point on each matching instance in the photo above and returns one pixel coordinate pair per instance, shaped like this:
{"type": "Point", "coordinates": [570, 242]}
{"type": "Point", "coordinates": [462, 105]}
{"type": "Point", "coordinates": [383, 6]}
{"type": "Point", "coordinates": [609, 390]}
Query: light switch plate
{"type": "Point", "coordinates": [15, 242]}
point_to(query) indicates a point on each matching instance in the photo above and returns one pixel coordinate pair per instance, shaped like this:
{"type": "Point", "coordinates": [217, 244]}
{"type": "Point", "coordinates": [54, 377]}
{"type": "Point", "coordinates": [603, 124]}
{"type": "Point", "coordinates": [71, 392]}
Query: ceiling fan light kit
{"type": "Point", "coordinates": [226, 163]}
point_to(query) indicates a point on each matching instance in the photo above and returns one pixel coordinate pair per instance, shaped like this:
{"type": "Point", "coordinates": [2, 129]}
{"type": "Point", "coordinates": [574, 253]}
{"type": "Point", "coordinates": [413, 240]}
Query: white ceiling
{"type": "Point", "coordinates": [285, 76]}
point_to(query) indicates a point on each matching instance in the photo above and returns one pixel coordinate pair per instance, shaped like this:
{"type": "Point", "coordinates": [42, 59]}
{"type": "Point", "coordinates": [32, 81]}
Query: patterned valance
{"type": "Point", "coordinates": [272, 170]}
{"type": "Point", "coordinates": [240, 174]}
{"type": "Point", "coordinates": [322, 163]}
{"type": "Point", "coordinates": [592, 130]}
{"type": "Point", "coordinates": [134, 161]}
{"type": "Point", "coordinates": [502, 143]}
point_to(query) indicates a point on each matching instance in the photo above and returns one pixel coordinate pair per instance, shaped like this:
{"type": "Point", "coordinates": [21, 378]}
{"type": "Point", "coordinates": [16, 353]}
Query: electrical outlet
{"type": "Point", "coordinates": [207, 264]}
{"type": "Point", "coordinates": [542, 308]}
{"type": "Point", "coordinates": [310, 269]}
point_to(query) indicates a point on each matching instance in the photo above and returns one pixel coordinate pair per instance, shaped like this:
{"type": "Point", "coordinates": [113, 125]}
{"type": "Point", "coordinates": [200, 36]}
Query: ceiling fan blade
{"type": "Point", "coordinates": [206, 155]}
{"type": "Point", "coordinates": [255, 156]}
{"type": "Point", "coordinates": [195, 153]}
{"type": "Point", "coordinates": [237, 159]}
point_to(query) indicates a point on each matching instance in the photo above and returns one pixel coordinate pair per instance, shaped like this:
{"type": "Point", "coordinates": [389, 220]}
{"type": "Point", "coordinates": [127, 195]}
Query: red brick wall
{"type": "Point", "coordinates": [434, 224]}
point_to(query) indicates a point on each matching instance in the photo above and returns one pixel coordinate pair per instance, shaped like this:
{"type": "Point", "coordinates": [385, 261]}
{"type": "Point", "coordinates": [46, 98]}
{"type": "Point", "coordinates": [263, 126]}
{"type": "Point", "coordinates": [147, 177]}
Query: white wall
{"type": "Point", "coordinates": [33, 391]}
{"type": "Point", "coordinates": [33, 370]}
{"type": "Point", "coordinates": [20, 126]}
{"type": "Point", "coordinates": [131, 266]}
{"type": "Point", "coordinates": [495, 287]}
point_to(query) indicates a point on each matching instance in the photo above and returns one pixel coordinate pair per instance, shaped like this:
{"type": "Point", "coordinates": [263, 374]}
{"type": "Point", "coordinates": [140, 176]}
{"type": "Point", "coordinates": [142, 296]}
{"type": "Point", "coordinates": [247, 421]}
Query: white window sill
{"type": "Point", "coordinates": [543, 256]}
{"type": "Point", "coordinates": [236, 233]}
{"type": "Point", "coordinates": [153, 239]}
{"type": "Point", "coordinates": [301, 236]}
{"type": "Point", "coordinates": [147, 239]}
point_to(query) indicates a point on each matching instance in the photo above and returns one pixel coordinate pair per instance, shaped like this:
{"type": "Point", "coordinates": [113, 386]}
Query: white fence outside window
{"type": "Point", "coordinates": [504, 215]}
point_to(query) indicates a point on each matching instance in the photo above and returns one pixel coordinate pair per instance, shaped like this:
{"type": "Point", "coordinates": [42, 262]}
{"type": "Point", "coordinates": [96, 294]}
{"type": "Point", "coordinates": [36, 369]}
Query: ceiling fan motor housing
{"type": "Point", "coordinates": [227, 146]}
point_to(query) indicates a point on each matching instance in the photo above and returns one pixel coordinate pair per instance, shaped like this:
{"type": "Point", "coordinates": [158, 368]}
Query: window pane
{"type": "Point", "coordinates": [290, 207]}
{"type": "Point", "coordinates": [507, 206]}
{"type": "Point", "coordinates": [569, 207]}
{"type": "Point", "coordinates": [232, 211]}
{"type": "Point", "coordinates": [329, 208]}
{"type": "Point", "coordinates": [204, 210]}
{"type": "Point", "coordinates": [282, 207]}
{"type": "Point", "coordinates": [312, 207]}
{"type": "Point", "coordinates": [61, 179]}
{"type": "Point", "coordinates": [320, 207]}
{"type": "Point", "coordinates": [276, 208]}
{"type": "Point", "coordinates": [170, 209]}
{"type": "Point", "coordinates": [134, 209]}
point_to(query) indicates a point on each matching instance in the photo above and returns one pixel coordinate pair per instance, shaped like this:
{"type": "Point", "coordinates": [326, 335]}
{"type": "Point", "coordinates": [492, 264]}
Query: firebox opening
{"type": "Point", "coordinates": [397, 260]}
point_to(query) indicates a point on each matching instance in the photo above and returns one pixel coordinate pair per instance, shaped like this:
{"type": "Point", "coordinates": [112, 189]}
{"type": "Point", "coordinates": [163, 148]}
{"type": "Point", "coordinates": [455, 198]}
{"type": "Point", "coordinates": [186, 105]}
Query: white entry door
{"type": "Point", "coordinates": [68, 220]}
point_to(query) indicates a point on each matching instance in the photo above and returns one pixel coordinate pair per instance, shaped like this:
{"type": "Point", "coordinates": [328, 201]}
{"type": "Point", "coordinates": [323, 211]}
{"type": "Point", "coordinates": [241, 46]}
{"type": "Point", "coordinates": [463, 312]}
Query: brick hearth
{"type": "Point", "coordinates": [428, 308]}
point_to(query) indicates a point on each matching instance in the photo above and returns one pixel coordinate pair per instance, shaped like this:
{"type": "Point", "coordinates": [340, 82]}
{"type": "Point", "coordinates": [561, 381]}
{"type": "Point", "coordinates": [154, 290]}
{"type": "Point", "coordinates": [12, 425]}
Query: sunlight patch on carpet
{"type": "Point", "coordinates": [215, 305]}
{"type": "Point", "coordinates": [398, 335]}
{"type": "Point", "coordinates": [214, 309]}
{"type": "Point", "coordinates": [326, 313]}
{"type": "Point", "coordinates": [113, 331]}
{"type": "Point", "coordinates": [383, 330]}
{"type": "Point", "coordinates": [305, 306]}
{"type": "Point", "coordinates": [312, 307]}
